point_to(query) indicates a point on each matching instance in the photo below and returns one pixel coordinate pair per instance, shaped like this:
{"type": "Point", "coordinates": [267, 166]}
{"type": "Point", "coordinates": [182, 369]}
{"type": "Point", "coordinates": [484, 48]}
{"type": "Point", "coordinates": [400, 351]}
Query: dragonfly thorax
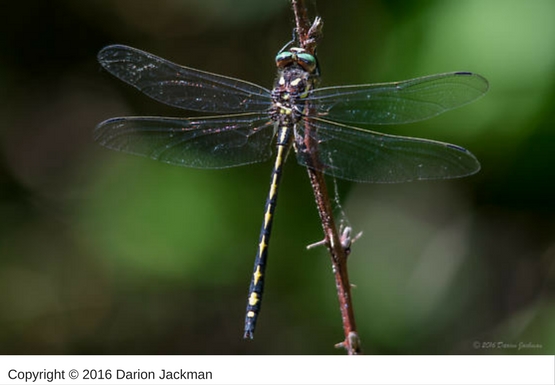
{"type": "Point", "coordinates": [292, 86]}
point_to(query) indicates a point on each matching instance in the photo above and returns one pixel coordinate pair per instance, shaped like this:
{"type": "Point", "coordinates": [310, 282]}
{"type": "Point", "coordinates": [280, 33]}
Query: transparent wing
{"type": "Point", "coordinates": [182, 87]}
{"type": "Point", "coordinates": [213, 142]}
{"type": "Point", "coordinates": [367, 156]}
{"type": "Point", "coordinates": [400, 102]}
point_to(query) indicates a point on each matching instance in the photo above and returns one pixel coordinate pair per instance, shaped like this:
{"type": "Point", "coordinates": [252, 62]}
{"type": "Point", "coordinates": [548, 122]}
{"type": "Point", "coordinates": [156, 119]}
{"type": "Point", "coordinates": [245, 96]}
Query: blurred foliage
{"type": "Point", "coordinates": [105, 253]}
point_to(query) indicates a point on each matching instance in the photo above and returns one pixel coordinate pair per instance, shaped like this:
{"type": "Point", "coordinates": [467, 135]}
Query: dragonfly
{"type": "Point", "coordinates": [250, 123]}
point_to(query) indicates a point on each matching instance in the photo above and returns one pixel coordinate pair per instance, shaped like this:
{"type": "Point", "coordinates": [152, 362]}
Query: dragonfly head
{"type": "Point", "coordinates": [298, 56]}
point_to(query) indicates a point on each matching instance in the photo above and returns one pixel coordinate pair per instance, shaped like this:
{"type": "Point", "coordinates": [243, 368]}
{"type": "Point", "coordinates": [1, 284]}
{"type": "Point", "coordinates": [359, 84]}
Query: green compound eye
{"type": "Point", "coordinates": [307, 61]}
{"type": "Point", "coordinates": [284, 58]}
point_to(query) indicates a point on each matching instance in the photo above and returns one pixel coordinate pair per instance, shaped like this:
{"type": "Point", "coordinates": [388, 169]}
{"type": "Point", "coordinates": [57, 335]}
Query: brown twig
{"type": "Point", "coordinates": [308, 35]}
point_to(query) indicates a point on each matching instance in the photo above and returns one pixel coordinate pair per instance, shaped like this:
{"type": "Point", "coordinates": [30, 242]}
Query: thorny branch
{"type": "Point", "coordinates": [308, 35]}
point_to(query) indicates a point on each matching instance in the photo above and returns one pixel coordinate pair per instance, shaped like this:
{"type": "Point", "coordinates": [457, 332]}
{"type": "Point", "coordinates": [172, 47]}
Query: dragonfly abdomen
{"type": "Point", "coordinates": [257, 281]}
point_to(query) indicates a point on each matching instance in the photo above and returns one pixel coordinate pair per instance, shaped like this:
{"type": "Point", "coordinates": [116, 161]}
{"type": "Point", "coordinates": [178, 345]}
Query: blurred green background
{"type": "Point", "coordinates": [106, 253]}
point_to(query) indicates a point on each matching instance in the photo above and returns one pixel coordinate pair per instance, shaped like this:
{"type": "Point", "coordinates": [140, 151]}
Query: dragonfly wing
{"type": "Point", "coordinates": [213, 142]}
{"type": "Point", "coordinates": [182, 87]}
{"type": "Point", "coordinates": [401, 102]}
{"type": "Point", "coordinates": [367, 156]}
